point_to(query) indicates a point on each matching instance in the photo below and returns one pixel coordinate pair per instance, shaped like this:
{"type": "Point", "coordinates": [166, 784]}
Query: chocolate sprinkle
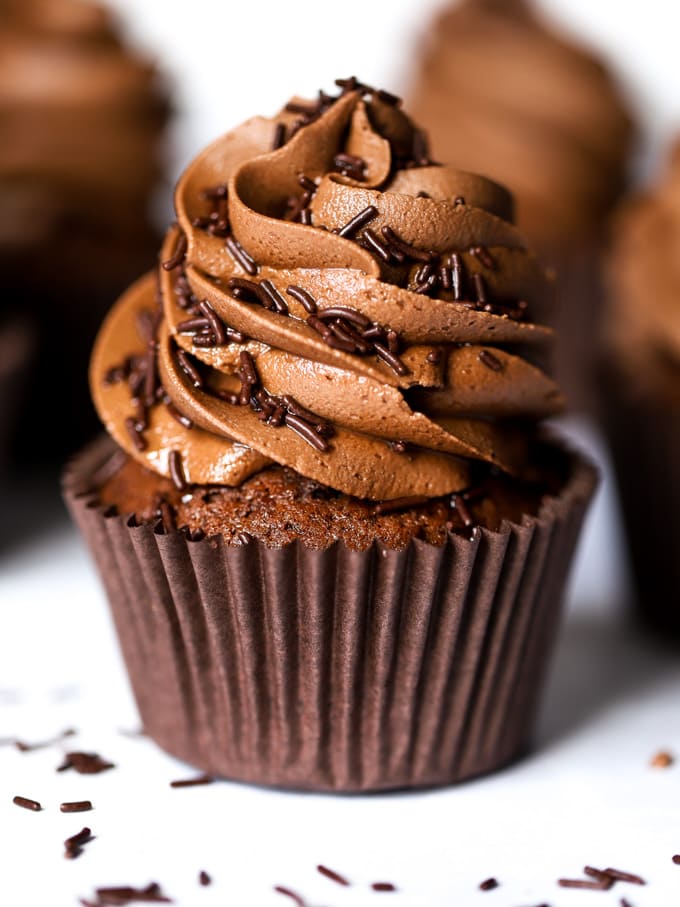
{"type": "Point", "coordinates": [490, 361]}
{"type": "Point", "coordinates": [85, 763]}
{"type": "Point", "coordinates": [676, 859]}
{"type": "Point", "coordinates": [488, 884]}
{"type": "Point", "coordinates": [189, 368]}
{"type": "Point", "coordinates": [602, 884]}
{"type": "Point", "coordinates": [178, 255]}
{"type": "Point", "coordinates": [279, 889]}
{"type": "Point", "coordinates": [216, 325]}
{"type": "Point", "coordinates": [305, 299]}
{"type": "Point", "coordinates": [350, 165]}
{"type": "Point", "coordinates": [371, 241]}
{"type": "Point", "coordinates": [132, 427]}
{"type": "Point", "coordinates": [484, 256]}
{"type": "Point", "coordinates": [76, 806]}
{"type": "Point", "coordinates": [383, 507]}
{"type": "Point", "coordinates": [620, 876]}
{"type": "Point", "coordinates": [73, 846]}
{"type": "Point", "coordinates": [177, 415]}
{"type": "Point", "coordinates": [369, 213]}
{"type": "Point", "coordinates": [27, 803]}
{"type": "Point", "coordinates": [277, 301]}
{"type": "Point", "coordinates": [204, 878]}
{"type": "Point", "coordinates": [390, 359]}
{"type": "Point", "coordinates": [177, 470]}
{"type": "Point", "coordinates": [396, 242]}
{"type": "Point", "coordinates": [239, 254]}
{"type": "Point", "coordinates": [193, 782]}
{"type": "Point", "coordinates": [122, 895]}
{"type": "Point", "coordinates": [383, 886]}
{"type": "Point", "coordinates": [332, 875]}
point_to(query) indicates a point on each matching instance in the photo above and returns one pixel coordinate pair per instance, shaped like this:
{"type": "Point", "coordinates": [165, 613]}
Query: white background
{"type": "Point", "coordinates": [230, 60]}
{"type": "Point", "coordinates": [585, 795]}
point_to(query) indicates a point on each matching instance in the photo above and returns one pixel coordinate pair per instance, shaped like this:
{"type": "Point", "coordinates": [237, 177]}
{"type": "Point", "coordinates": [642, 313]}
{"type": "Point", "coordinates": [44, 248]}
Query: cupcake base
{"type": "Point", "coordinates": [335, 670]}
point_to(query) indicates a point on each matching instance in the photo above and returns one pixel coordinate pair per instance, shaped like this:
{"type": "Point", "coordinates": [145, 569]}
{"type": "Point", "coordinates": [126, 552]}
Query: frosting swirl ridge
{"type": "Point", "coordinates": [325, 277]}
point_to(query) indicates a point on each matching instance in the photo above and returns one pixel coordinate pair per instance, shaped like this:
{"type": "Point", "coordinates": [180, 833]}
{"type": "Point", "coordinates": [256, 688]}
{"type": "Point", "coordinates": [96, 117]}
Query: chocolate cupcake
{"type": "Point", "coordinates": [502, 93]}
{"type": "Point", "coordinates": [82, 117]}
{"type": "Point", "coordinates": [16, 344]}
{"type": "Point", "coordinates": [333, 538]}
{"type": "Point", "coordinates": [641, 390]}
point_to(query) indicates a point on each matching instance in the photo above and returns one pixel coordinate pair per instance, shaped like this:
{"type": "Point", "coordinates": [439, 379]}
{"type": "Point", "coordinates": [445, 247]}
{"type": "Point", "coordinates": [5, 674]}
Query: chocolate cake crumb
{"type": "Point", "coordinates": [27, 803]}
{"type": "Point", "coordinates": [277, 506]}
{"type": "Point", "coordinates": [662, 759]}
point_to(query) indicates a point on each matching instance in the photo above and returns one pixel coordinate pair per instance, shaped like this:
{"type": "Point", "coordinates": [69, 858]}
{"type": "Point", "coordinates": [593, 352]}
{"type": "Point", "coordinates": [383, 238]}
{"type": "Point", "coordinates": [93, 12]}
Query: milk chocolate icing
{"type": "Point", "coordinates": [502, 93]}
{"type": "Point", "coordinates": [81, 116]}
{"type": "Point", "coordinates": [644, 277]}
{"type": "Point", "coordinates": [331, 301]}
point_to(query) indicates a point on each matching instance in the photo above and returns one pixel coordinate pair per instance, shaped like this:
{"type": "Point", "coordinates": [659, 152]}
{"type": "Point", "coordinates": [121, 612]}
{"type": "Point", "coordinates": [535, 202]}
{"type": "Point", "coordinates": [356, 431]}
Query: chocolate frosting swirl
{"type": "Point", "coordinates": [398, 351]}
{"type": "Point", "coordinates": [644, 278]}
{"type": "Point", "coordinates": [81, 117]}
{"type": "Point", "coordinates": [503, 93]}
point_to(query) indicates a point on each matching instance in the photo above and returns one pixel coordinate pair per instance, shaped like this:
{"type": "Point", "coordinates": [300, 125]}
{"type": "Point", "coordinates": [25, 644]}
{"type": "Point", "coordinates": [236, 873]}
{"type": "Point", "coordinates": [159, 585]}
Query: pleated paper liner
{"type": "Point", "coordinates": [643, 431]}
{"type": "Point", "coordinates": [335, 670]}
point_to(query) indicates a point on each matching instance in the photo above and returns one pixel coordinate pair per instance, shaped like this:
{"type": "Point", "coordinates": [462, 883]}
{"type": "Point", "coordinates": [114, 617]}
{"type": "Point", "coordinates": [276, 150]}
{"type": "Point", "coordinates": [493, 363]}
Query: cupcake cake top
{"type": "Point", "coordinates": [503, 94]}
{"type": "Point", "coordinates": [82, 115]}
{"type": "Point", "coordinates": [331, 301]}
{"type": "Point", "coordinates": [644, 278]}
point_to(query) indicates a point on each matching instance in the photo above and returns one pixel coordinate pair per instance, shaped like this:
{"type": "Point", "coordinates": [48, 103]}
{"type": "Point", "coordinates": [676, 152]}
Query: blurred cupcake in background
{"type": "Point", "coordinates": [81, 121]}
{"type": "Point", "coordinates": [502, 93]}
{"type": "Point", "coordinates": [641, 384]}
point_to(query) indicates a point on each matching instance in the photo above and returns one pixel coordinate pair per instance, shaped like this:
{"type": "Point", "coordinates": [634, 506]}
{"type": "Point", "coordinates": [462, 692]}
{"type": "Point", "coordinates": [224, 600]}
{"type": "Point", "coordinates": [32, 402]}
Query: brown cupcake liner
{"type": "Point", "coordinates": [335, 670]}
{"type": "Point", "coordinates": [643, 432]}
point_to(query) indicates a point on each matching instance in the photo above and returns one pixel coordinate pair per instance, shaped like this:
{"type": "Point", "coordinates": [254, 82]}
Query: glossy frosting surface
{"type": "Point", "coordinates": [502, 93]}
{"type": "Point", "coordinates": [644, 279]}
{"type": "Point", "coordinates": [381, 360]}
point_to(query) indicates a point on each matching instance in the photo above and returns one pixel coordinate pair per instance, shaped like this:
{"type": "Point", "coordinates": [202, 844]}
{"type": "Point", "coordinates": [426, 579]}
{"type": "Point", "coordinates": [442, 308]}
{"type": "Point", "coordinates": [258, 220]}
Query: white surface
{"type": "Point", "coordinates": [585, 795]}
